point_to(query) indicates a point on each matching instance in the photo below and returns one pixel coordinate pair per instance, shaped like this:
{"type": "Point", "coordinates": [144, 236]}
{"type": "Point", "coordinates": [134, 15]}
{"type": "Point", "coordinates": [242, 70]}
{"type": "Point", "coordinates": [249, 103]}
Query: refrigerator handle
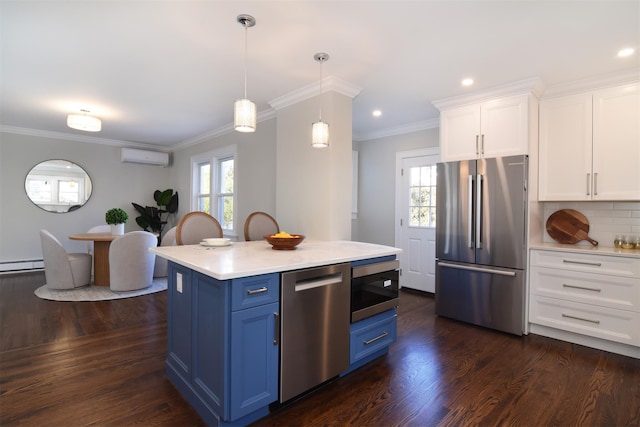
{"type": "Point", "coordinates": [470, 215]}
{"type": "Point", "coordinates": [479, 212]}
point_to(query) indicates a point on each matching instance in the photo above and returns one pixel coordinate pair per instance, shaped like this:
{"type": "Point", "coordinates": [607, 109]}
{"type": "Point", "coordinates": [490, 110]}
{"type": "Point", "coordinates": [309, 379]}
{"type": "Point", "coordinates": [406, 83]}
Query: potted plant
{"type": "Point", "coordinates": [116, 217]}
{"type": "Point", "coordinates": [155, 218]}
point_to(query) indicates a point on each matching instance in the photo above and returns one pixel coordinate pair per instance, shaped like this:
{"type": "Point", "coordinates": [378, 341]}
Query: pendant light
{"type": "Point", "coordinates": [320, 129]}
{"type": "Point", "coordinates": [244, 111]}
{"type": "Point", "coordinates": [84, 122]}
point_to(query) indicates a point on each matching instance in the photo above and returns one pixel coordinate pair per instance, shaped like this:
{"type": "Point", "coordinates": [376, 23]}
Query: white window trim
{"type": "Point", "coordinates": [213, 157]}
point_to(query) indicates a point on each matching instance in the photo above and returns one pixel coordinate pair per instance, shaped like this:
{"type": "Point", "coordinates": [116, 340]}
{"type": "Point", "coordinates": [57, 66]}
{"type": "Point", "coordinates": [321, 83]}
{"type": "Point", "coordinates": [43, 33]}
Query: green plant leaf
{"type": "Point", "coordinates": [164, 197]}
{"type": "Point", "coordinates": [172, 206]}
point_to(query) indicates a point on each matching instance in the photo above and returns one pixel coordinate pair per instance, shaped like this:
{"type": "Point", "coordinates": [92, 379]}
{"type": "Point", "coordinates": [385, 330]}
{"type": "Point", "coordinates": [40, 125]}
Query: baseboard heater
{"type": "Point", "coordinates": [23, 265]}
{"type": "Point", "coordinates": [134, 155]}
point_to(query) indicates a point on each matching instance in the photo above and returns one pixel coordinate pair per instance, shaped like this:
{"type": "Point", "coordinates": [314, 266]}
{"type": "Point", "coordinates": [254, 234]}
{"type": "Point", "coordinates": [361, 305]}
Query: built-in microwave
{"type": "Point", "coordinates": [374, 288]}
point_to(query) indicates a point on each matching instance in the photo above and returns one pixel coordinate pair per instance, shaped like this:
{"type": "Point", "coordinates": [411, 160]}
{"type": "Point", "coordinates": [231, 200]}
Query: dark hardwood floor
{"type": "Point", "coordinates": [102, 363]}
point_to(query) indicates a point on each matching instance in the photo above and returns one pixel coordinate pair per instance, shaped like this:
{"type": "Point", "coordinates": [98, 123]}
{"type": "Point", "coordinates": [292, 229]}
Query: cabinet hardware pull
{"type": "Point", "coordinates": [470, 215]}
{"type": "Point", "coordinates": [588, 184]}
{"type": "Point", "coordinates": [276, 339]}
{"type": "Point", "coordinates": [257, 291]}
{"type": "Point", "coordinates": [595, 264]}
{"type": "Point", "coordinates": [564, 285]}
{"type": "Point", "coordinates": [597, 322]}
{"type": "Point", "coordinates": [480, 269]}
{"type": "Point", "coordinates": [595, 183]}
{"type": "Point", "coordinates": [477, 147]}
{"type": "Point", "coordinates": [482, 145]}
{"type": "Point", "coordinates": [479, 208]}
{"type": "Point", "coordinates": [372, 340]}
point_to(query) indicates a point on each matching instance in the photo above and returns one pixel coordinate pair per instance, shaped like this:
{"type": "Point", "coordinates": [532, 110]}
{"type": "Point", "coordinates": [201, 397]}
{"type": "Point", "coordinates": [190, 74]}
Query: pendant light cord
{"type": "Point", "coordinates": [321, 61]}
{"type": "Point", "coordinates": [245, 59]}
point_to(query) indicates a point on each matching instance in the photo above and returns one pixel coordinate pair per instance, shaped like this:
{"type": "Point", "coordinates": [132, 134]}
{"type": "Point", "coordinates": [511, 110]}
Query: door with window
{"type": "Point", "coordinates": [416, 218]}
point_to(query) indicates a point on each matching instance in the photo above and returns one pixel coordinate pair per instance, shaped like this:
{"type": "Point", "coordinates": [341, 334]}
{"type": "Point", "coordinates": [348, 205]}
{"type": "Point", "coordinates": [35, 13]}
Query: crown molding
{"type": "Point", "coordinates": [398, 130]}
{"type": "Point", "coordinates": [521, 87]}
{"type": "Point", "coordinates": [226, 129]}
{"type": "Point", "coordinates": [595, 82]}
{"type": "Point", "coordinates": [329, 84]}
{"type": "Point", "coordinates": [77, 138]}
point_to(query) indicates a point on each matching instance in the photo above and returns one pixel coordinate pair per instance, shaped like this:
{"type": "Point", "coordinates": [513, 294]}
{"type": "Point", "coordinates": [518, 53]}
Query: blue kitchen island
{"type": "Point", "coordinates": [223, 321]}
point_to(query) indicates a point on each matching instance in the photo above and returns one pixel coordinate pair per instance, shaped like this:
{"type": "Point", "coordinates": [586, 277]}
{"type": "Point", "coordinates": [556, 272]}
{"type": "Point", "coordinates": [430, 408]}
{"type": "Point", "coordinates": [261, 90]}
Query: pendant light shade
{"type": "Point", "coordinates": [320, 134]}
{"type": "Point", "coordinates": [320, 129]}
{"type": "Point", "coordinates": [244, 111]}
{"type": "Point", "coordinates": [84, 122]}
{"type": "Point", "coordinates": [244, 115]}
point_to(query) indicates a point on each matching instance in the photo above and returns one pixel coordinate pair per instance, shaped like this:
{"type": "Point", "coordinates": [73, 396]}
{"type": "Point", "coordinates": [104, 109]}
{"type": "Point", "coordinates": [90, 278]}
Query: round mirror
{"type": "Point", "coordinates": [58, 186]}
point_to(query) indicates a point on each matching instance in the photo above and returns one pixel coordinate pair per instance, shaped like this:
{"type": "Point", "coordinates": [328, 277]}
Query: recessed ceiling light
{"type": "Point", "coordinates": [377, 113]}
{"type": "Point", "coordinates": [467, 82]}
{"type": "Point", "coordinates": [626, 52]}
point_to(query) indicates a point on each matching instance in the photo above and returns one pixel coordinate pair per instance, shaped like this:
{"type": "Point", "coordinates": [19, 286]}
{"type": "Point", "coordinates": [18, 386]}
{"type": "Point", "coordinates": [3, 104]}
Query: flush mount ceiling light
{"type": "Point", "coordinates": [626, 52]}
{"type": "Point", "coordinates": [320, 129]}
{"type": "Point", "coordinates": [84, 122]}
{"type": "Point", "coordinates": [244, 111]}
{"type": "Point", "coordinates": [467, 82]}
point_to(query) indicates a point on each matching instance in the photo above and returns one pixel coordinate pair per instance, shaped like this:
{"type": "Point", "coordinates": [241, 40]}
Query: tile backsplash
{"type": "Point", "coordinates": [606, 219]}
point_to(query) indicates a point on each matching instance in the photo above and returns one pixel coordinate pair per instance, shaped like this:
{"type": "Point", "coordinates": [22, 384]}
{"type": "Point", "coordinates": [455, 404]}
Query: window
{"type": "Point", "coordinates": [68, 191]}
{"type": "Point", "coordinates": [422, 204]}
{"type": "Point", "coordinates": [203, 191]}
{"type": "Point", "coordinates": [214, 186]}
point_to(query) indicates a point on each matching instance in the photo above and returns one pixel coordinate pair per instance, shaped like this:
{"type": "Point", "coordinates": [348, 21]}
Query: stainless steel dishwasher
{"type": "Point", "coordinates": [314, 328]}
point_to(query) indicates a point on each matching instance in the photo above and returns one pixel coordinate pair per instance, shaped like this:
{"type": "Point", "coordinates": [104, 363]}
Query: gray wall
{"type": "Point", "coordinates": [255, 169]}
{"type": "Point", "coordinates": [115, 184]}
{"type": "Point", "coordinates": [118, 184]}
{"type": "Point", "coordinates": [377, 180]}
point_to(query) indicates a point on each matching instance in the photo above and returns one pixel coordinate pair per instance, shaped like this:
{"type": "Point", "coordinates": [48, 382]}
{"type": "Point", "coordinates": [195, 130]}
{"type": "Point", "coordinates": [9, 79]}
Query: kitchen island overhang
{"type": "Point", "coordinates": [225, 316]}
{"type": "Point", "coordinates": [242, 259]}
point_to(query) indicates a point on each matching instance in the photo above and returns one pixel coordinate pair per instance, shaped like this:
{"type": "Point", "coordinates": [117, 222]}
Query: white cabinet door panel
{"type": "Point", "coordinates": [459, 130]}
{"type": "Point", "coordinates": [505, 127]}
{"type": "Point", "coordinates": [616, 143]}
{"type": "Point", "coordinates": [565, 148]}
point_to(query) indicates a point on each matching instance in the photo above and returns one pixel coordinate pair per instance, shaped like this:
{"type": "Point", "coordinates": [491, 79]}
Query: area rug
{"type": "Point", "coordinates": [97, 293]}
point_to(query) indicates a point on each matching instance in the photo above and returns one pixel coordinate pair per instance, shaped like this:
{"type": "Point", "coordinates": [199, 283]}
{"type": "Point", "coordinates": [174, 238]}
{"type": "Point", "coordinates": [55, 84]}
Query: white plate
{"type": "Point", "coordinates": [221, 242]}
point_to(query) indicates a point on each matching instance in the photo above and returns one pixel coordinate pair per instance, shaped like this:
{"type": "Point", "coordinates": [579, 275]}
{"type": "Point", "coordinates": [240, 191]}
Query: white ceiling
{"type": "Point", "coordinates": [162, 73]}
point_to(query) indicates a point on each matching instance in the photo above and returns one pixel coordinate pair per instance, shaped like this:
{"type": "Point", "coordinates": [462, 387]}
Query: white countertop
{"type": "Point", "coordinates": [242, 259]}
{"type": "Point", "coordinates": [588, 249]}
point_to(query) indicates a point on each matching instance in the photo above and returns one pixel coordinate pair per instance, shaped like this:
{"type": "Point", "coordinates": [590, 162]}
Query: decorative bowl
{"type": "Point", "coordinates": [284, 243]}
{"type": "Point", "coordinates": [215, 241]}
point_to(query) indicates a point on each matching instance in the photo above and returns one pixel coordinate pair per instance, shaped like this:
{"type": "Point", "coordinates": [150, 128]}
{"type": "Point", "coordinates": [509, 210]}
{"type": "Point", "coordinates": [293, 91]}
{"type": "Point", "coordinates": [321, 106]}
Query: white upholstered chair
{"type": "Point", "coordinates": [169, 239]}
{"type": "Point", "coordinates": [195, 226]}
{"type": "Point", "coordinates": [130, 262]}
{"type": "Point", "coordinates": [258, 224]}
{"type": "Point", "coordinates": [63, 270]}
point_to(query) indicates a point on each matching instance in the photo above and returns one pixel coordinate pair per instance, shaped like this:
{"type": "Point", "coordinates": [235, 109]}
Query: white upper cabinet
{"type": "Point", "coordinates": [495, 128]}
{"type": "Point", "coordinates": [616, 143]}
{"type": "Point", "coordinates": [565, 147]}
{"type": "Point", "coordinates": [590, 145]}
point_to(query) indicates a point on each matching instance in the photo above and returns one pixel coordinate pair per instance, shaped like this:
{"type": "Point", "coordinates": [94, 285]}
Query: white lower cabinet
{"type": "Point", "coordinates": [600, 322]}
{"type": "Point", "coordinates": [592, 295]}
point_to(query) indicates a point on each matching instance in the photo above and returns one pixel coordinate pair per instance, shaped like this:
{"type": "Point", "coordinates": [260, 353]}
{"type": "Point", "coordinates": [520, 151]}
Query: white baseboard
{"type": "Point", "coordinates": [24, 265]}
{"type": "Point", "coordinates": [600, 344]}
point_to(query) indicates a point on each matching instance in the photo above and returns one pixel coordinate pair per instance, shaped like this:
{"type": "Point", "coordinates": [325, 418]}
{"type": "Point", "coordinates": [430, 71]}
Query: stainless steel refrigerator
{"type": "Point", "coordinates": [481, 242]}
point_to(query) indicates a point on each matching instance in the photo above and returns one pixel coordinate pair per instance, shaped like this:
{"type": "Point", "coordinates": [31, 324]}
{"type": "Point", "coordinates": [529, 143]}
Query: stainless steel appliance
{"type": "Point", "coordinates": [314, 324]}
{"type": "Point", "coordinates": [374, 288]}
{"type": "Point", "coordinates": [481, 242]}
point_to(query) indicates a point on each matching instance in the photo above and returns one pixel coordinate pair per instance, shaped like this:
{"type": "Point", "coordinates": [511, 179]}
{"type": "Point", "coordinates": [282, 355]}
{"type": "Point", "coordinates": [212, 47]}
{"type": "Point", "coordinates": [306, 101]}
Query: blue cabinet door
{"type": "Point", "coordinates": [211, 302]}
{"type": "Point", "coordinates": [179, 315]}
{"type": "Point", "coordinates": [254, 365]}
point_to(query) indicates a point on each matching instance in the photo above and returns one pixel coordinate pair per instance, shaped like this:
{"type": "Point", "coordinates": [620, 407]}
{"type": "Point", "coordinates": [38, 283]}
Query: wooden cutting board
{"type": "Point", "coordinates": [569, 226]}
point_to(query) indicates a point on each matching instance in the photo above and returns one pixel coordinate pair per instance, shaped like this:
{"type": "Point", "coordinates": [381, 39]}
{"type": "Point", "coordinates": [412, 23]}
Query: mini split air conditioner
{"type": "Point", "coordinates": [134, 155]}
